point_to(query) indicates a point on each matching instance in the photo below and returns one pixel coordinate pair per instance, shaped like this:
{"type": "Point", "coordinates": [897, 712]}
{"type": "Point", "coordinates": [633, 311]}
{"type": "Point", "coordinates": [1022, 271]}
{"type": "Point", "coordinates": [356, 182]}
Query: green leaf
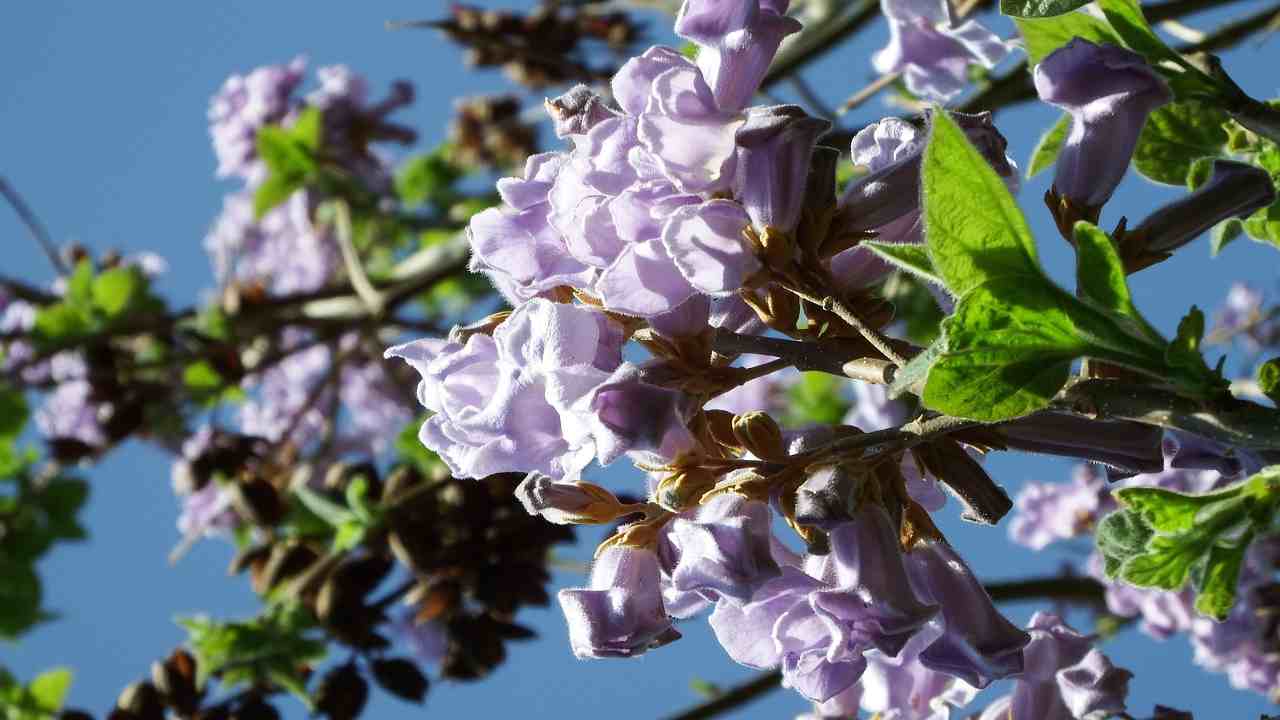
{"type": "Point", "coordinates": [1043, 36]}
{"type": "Point", "coordinates": [283, 154]}
{"type": "Point", "coordinates": [49, 689]}
{"type": "Point", "coordinates": [1177, 135]}
{"type": "Point", "coordinates": [816, 400]}
{"type": "Point", "coordinates": [976, 231]}
{"type": "Point", "coordinates": [1003, 358]}
{"type": "Point", "coordinates": [427, 178]}
{"type": "Point", "coordinates": [115, 291]}
{"type": "Point", "coordinates": [1225, 233]}
{"type": "Point", "coordinates": [1165, 510]}
{"type": "Point", "coordinates": [60, 323]}
{"type": "Point", "coordinates": [1200, 172]}
{"type": "Point", "coordinates": [1184, 351]}
{"type": "Point", "coordinates": [411, 449]}
{"type": "Point", "coordinates": [1269, 379]}
{"type": "Point", "coordinates": [910, 378]}
{"type": "Point", "coordinates": [308, 130]}
{"type": "Point", "coordinates": [1216, 582]}
{"type": "Point", "coordinates": [273, 191]}
{"type": "Point", "coordinates": [328, 510]}
{"type": "Point", "coordinates": [1100, 274]}
{"type": "Point", "coordinates": [1166, 562]}
{"type": "Point", "coordinates": [911, 258]}
{"type": "Point", "coordinates": [13, 412]}
{"type": "Point", "coordinates": [1046, 152]}
{"type": "Point", "coordinates": [80, 285]}
{"type": "Point", "coordinates": [1120, 536]}
{"type": "Point", "coordinates": [1039, 8]}
{"type": "Point", "coordinates": [1127, 20]}
{"type": "Point", "coordinates": [19, 598]}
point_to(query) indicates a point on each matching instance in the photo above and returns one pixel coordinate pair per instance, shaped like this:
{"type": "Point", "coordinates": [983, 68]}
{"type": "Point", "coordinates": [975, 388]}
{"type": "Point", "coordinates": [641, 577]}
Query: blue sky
{"type": "Point", "coordinates": [103, 130]}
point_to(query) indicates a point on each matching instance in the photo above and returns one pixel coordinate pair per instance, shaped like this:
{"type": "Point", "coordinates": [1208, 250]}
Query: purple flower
{"type": "Point", "coordinates": [721, 550]}
{"type": "Point", "coordinates": [818, 627]}
{"type": "Point", "coordinates": [242, 106]}
{"type": "Point", "coordinates": [489, 394]}
{"type": "Point", "coordinates": [903, 688]}
{"type": "Point", "coordinates": [775, 147]}
{"type": "Point", "coordinates": [621, 613]}
{"type": "Point", "coordinates": [1064, 677]}
{"type": "Point", "coordinates": [978, 644]}
{"type": "Point", "coordinates": [428, 641]}
{"type": "Point", "coordinates": [707, 246]}
{"type": "Point", "coordinates": [933, 55]}
{"type": "Point", "coordinates": [283, 250]}
{"type": "Point", "coordinates": [1045, 513]}
{"type": "Point", "coordinates": [737, 40]}
{"type": "Point", "coordinates": [690, 138]}
{"type": "Point", "coordinates": [515, 244]}
{"type": "Point", "coordinates": [1109, 91]}
{"type": "Point", "coordinates": [70, 412]}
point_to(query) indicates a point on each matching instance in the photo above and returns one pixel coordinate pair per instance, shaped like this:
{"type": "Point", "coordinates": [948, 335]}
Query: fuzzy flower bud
{"type": "Point", "coordinates": [1235, 189]}
{"type": "Point", "coordinates": [566, 503]}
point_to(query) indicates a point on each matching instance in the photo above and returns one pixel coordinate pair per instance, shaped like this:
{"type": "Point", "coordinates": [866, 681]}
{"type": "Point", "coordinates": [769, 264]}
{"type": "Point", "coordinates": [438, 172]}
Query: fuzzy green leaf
{"type": "Point", "coordinates": [1177, 135]}
{"type": "Point", "coordinates": [1046, 152]}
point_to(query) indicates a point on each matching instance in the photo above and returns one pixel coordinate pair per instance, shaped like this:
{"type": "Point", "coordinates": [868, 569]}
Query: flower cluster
{"type": "Point", "coordinates": [677, 209]}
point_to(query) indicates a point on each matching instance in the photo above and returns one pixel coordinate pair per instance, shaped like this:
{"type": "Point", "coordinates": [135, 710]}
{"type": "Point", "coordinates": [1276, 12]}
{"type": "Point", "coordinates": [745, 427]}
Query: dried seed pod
{"type": "Point", "coordinates": [287, 560]}
{"type": "Point", "coordinates": [342, 693]}
{"type": "Point", "coordinates": [141, 700]}
{"type": "Point", "coordinates": [401, 678]}
{"type": "Point", "coordinates": [258, 502]}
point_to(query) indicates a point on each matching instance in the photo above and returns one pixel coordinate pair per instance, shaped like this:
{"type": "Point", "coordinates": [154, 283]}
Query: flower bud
{"type": "Point", "coordinates": [577, 111]}
{"type": "Point", "coordinates": [1234, 190]}
{"type": "Point", "coordinates": [683, 488]}
{"type": "Point", "coordinates": [566, 503]}
{"type": "Point", "coordinates": [257, 501]}
{"type": "Point", "coordinates": [827, 497]}
{"type": "Point", "coordinates": [774, 149]}
{"type": "Point", "coordinates": [720, 425]}
{"type": "Point", "coordinates": [760, 435]}
{"type": "Point", "coordinates": [984, 501]}
{"type": "Point", "coordinates": [142, 701]}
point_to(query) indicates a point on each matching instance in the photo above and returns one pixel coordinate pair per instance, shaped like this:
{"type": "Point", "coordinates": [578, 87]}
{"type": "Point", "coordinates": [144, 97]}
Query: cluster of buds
{"type": "Point", "coordinates": [539, 48]}
{"type": "Point", "coordinates": [488, 131]}
{"type": "Point", "coordinates": [173, 688]}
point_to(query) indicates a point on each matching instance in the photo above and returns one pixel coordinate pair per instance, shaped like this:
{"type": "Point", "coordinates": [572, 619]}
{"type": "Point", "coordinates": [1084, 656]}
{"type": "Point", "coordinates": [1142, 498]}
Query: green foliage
{"type": "Point", "coordinates": [913, 259]}
{"type": "Point", "coordinates": [411, 450]}
{"type": "Point", "coordinates": [94, 303]}
{"type": "Point", "coordinates": [1044, 35]}
{"type": "Point", "coordinates": [1269, 379]}
{"type": "Point", "coordinates": [428, 178]}
{"type": "Point", "coordinates": [40, 699]}
{"type": "Point", "coordinates": [1162, 539]}
{"type": "Point", "coordinates": [1009, 346]}
{"type": "Point", "coordinates": [816, 399]}
{"type": "Point", "coordinates": [291, 156]}
{"type": "Point", "coordinates": [1039, 8]}
{"type": "Point", "coordinates": [1046, 152]}
{"type": "Point", "coordinates": [34, 515]}
{"type": "Point", "coordinates": [275, 647]}
{"type": "Point", "coordinates": [207, 386]}
{"type": "Point", "coordinates": [1177, 135]}
{"type": "Point", "coordinates": [915, 306]}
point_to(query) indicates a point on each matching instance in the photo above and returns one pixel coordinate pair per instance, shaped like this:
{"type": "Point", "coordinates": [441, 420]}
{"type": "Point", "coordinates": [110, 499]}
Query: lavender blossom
{"type": "Point", "coordinates": [1045, 513]}
{"type": "Point", "coordinates": [816, 625]}
{"type": "Point", "coordinates": [490, 398]}
{"type": "Point", "coordinates": [428, 641]}
{"type": "Point", "coordinates": [775, 147]}
{"type": "Point", "coordinates": [737, 40]}
{"type": "Point", "coordinates": [243, 105]}
{"type": "Point", "coordinates": [70, 412]}
{"type": "Point", "coordinates": [577, 111]}
{"type": "Point", "coordinates": [978, 644]}
{"type": "Point", "coordinates": [933, 53]}
{"type": "Point", "coordinates": [902, 688]}
{"type": "Point", "coordinates": [1109, 91]}
{"type": "Point", "coordinates": [515, 245]}
{"type": "Point", "coordinates": [1065, 678]}
{"type": "Point", "coordinates": [721, 550]}
{"type": "Point", "coordinates": [283, 250]}
{"type": "Point", "coordinates": [620, 614]}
